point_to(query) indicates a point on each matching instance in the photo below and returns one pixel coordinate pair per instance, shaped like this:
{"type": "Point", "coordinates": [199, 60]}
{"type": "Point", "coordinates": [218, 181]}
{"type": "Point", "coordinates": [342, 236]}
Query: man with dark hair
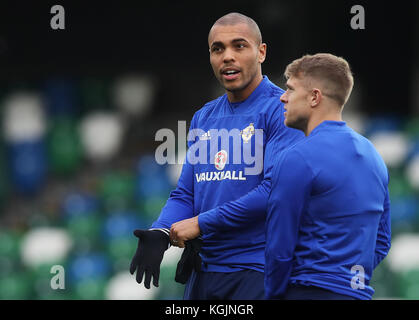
{"type": "Point", "coordinates": [220, 197]}
{"type": "Point", "coordinates": [328, 221]}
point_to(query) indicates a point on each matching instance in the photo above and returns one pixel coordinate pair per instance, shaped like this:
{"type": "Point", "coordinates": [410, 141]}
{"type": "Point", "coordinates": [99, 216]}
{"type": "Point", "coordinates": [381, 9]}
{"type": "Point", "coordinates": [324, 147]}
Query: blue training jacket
{"type": "Point", "coordinates": [328, 222]}
{"type": "Point", "coordinates": [227, 190]}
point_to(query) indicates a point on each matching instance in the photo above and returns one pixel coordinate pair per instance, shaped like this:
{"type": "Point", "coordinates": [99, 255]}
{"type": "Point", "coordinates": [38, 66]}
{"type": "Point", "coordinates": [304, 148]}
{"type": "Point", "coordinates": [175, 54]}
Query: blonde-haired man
{"type": "Point", "coordinates": [329, 229]}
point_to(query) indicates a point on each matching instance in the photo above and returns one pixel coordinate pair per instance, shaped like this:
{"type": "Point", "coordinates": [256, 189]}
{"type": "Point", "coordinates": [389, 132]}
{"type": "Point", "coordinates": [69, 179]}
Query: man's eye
{"type": "Point", "coordinates": [240, 45]}
{"type": "Point", "coordinates": [216, 49]}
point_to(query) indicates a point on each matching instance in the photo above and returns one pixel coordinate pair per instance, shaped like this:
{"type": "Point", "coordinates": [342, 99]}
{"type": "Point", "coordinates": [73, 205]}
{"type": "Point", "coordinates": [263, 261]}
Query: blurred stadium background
{"type": "Point", "coordinates": [80, 108]}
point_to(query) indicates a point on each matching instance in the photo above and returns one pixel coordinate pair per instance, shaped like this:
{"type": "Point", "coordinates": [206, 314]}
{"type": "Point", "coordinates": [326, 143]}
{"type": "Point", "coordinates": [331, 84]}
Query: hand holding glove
{"type": "Point", "coordinates": [189, 261]}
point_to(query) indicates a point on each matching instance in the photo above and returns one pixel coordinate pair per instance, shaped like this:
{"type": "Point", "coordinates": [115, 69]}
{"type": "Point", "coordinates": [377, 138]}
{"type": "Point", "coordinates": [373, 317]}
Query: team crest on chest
{"type": "Point", "coordinates": [247, 133]}
{"type": "Point", "coordinates": [220, 159]}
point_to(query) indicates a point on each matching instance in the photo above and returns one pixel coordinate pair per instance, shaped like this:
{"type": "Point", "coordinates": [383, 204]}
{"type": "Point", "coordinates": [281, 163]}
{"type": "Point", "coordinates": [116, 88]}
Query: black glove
{"type": "Point", "coordinates": [190, 260]}
{"type": "Point", "coordinates": [149, 254]}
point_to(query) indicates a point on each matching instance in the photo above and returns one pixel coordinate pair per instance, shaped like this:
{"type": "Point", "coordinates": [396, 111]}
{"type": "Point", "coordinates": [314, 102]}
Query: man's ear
{"type": "Point", "coordinates": [262, 52]}
{"type": "Point", "coordinates": [316, 97]}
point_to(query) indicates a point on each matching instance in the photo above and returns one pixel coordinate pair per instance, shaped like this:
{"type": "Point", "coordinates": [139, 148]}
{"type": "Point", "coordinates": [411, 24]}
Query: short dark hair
{"type": "Point", "coordinates": [234, 18]}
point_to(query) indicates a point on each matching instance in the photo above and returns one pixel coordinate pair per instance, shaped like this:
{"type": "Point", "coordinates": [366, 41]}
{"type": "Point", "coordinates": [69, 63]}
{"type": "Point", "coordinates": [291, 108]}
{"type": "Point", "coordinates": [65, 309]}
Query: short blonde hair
{"type": "Point", "coordinates": [333, 71]}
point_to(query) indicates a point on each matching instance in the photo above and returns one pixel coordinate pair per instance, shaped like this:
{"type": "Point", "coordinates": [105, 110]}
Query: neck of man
{"type": "Point", "coordinates": [243, 94]}
{"type": "Point", "coordinates": [321, 114]}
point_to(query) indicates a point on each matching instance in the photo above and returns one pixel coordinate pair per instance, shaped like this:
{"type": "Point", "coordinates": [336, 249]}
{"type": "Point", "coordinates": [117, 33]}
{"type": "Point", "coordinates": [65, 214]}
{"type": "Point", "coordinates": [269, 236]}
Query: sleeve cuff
{"type": "Point", "coordinates": [165, 231]}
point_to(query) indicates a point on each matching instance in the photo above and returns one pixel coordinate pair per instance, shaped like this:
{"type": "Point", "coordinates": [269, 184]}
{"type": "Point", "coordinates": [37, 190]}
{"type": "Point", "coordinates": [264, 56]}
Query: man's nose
{"type": "Point", "coordinates": [228, 55]}
{"type": "Point", "coordinates": [283, 98]}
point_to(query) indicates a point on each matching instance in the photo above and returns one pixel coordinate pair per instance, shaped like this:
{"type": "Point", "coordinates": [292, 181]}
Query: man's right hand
{"type": "Point", "coordinates": [189, 261]}
{"type": "Point", "coordinates": [149, 255]}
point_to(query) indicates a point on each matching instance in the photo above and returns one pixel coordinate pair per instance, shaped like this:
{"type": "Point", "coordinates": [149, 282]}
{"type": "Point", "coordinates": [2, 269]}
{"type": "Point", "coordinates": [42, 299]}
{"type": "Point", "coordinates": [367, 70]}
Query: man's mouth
{"type": "Point", "coordinates": [230, 74]}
